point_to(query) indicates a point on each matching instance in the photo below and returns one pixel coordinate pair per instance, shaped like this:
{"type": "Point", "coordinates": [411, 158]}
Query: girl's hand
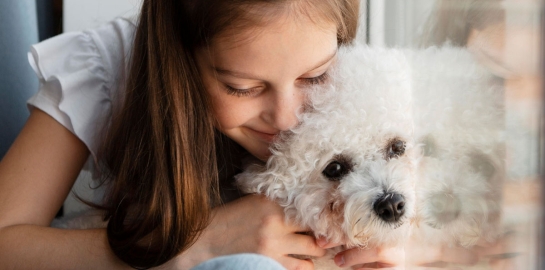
{"type": "Point", "coordinates": [357, 258]}
{"type": "Point", "coordinates": [252, 224]}
{"type": "Point", "coordinates": [391, 258]}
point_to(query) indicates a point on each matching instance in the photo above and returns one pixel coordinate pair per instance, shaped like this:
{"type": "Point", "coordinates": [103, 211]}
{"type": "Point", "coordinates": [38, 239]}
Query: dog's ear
{"type": "Point", "coordinates": [259, 179]}
{"type": "Point", "coordinates": [247, 181]}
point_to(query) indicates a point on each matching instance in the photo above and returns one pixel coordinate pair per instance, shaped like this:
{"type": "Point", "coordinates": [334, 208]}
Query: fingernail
{"type": "Point", "coordinates": [322, 242]}
{"type": "Point", "coordinates": [339, 260]}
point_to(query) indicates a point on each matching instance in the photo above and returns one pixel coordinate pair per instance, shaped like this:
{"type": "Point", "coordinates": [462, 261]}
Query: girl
{"type": "Point", "coordinates": [204, 78]}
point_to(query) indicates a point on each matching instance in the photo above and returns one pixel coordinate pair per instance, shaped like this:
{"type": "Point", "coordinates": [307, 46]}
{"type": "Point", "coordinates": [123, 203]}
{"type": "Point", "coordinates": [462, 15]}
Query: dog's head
{"type": "Point", "coordinates": [347, 171]}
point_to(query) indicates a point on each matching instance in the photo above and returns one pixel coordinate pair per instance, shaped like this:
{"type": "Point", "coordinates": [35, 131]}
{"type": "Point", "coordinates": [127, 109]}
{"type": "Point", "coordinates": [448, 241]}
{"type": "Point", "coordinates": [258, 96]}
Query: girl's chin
{"type": "Point", "coordinates": [262, 155]}
{"type": "Point", "coordinates": [265, 157]}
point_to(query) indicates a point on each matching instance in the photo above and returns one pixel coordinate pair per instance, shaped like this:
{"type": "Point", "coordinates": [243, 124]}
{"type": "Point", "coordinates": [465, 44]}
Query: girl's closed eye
{"type": "Point", "coordinates": [242, 92]}
{"type": "Point", "coordinates": [252, 91]}
{"type": "Point", "coordinates": [320, 79]}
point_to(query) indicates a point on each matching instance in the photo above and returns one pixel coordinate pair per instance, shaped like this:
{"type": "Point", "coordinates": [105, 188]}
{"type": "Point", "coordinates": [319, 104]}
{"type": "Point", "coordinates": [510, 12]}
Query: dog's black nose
{"type": "Point", "coordinates": [444, 208]}
{"type": "Point", "coordinates": [390, 207]}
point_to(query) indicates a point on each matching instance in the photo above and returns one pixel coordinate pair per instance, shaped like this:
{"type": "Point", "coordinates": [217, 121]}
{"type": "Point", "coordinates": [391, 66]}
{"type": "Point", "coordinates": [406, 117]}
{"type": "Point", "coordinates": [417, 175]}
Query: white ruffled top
{"type": "Point", "coordinates": [81, 77]}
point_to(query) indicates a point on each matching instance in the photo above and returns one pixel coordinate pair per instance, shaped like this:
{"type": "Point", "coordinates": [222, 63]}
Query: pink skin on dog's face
{"type": "Point", "coordinates": [256, 84]}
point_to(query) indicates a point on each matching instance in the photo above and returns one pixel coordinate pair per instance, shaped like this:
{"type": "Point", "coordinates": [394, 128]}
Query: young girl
{"type": "Point", "coordinates": [204, 78]}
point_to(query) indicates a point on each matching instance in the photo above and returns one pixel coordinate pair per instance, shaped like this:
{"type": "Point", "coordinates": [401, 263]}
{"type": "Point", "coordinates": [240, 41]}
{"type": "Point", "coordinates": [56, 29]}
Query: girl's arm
{"type": "Point", "coordinates": [35, 177]}
{"type": "Point", "coordinates": [38, 172]}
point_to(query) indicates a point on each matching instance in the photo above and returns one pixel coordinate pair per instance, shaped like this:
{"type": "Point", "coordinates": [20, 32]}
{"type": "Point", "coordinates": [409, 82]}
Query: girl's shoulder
{"type": "Point", "coordinates": [107, 47]}
{"type": "Point", "coordinates": [82, 76]}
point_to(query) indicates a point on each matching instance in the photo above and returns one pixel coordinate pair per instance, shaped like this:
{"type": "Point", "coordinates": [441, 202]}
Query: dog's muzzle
{"type": "Point", "coordinates": [390, 207]}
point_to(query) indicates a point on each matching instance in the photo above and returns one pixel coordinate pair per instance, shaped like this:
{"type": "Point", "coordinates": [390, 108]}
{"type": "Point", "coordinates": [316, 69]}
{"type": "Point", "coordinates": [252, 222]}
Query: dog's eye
{"type": "Point", "coordinates": [335, 170]}
{"type": "Point", "coordinates": [396, 148]}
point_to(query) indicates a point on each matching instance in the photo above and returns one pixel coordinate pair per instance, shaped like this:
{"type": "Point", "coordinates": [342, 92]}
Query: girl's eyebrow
{"type": "Point", "coordinates": [223, 71]}
{"type": "Point", "coordinates": [325, 61]}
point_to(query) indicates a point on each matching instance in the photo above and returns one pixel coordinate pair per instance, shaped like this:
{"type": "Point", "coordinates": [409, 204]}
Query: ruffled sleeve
{"type": "Point", "coordinates": [82, 75]}
{"type": "Point", "coordinates": [75, 85]}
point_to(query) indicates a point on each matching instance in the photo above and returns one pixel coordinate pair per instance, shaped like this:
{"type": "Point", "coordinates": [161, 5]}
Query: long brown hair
{"type": "Point", "coordinates": [159, 153]}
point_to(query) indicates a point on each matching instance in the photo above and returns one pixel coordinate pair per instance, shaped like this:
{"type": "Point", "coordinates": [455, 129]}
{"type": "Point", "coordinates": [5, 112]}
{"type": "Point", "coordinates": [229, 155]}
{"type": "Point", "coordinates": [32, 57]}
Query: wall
{"type": "Point", "coordinates": [83, 14]}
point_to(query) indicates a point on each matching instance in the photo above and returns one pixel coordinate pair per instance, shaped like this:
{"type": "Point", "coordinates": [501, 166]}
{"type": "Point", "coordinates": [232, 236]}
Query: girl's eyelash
{"type": "Point", "coordinates": [240, 92]}
{"type": "Point", "coordinates": [321, 79]}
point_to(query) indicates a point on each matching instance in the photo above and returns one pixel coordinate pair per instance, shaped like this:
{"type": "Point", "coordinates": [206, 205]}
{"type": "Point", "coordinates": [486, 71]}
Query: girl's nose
{"type": "Point", "coordinates": [282, 107]}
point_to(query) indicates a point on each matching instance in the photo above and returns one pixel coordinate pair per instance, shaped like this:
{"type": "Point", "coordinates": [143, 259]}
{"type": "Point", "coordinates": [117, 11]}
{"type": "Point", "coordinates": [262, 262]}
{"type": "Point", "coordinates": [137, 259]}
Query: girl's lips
{"type": "Point", "coordinates": [266, 137]}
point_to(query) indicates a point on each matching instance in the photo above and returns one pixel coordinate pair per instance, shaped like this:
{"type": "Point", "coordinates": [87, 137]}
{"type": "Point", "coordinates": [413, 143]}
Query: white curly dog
{"type": "Point", "coordinates": [347, 171]}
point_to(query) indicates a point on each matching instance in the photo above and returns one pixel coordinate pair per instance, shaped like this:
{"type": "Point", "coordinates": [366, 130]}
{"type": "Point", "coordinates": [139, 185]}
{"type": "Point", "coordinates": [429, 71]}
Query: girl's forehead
{"type": "Point", "coordinates": [284, 31]}
{"type": "Point", "coordinates": [279, 47]}
{"type": "Point", "coordinates": [246, 30]}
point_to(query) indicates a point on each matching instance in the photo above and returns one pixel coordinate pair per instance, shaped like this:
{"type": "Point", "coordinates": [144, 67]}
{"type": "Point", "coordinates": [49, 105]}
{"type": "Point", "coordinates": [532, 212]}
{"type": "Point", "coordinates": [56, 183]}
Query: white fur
{"type": "Point", "coordinates": [367, 104]}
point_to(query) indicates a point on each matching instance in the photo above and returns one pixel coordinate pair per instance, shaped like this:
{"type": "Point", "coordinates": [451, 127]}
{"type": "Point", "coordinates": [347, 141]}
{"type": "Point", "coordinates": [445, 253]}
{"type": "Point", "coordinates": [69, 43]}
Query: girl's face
{"type": "Point", "coordinates": [257, 85]}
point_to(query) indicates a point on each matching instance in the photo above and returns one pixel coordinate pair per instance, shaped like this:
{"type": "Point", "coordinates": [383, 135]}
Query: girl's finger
{"type": "Point", "coordinates": [323, 243]}
{"type": "Point", "coordinates": [374, 266]}
{"type": "Point", "coordinates": [292, 263]}
{"type": "Point", "coordinates": [355, 256]}
{"type": "Point", "coordinates": [381, 256]}
{"type": "Point", "coordinates": [300, 244]}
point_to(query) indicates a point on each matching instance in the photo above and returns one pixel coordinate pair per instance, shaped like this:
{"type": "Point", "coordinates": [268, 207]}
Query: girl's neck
{"type": "Point", "coordinates": [229, 156]}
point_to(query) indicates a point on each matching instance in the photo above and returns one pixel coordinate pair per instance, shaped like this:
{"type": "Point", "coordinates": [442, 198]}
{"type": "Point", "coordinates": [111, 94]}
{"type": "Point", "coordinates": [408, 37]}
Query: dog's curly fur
{"type": "Point", "coordinates": [447, 110]}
